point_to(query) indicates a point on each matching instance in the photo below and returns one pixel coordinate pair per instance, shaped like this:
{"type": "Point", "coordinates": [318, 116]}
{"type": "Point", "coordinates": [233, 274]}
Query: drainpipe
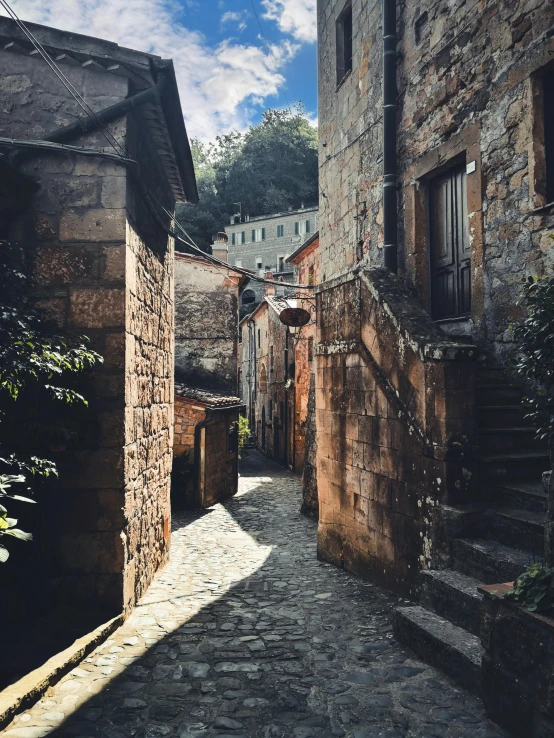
{"type": "Point", "coordinates": [390, 214]}
{"type": "Point", "coordinates": [86, 124]}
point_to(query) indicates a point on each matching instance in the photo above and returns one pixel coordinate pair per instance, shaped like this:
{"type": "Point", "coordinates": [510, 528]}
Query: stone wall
{"type": "Point", "coordinates": [517, 666]}
{"type": "Point", "coordinates": [187, 417]}
{"type": "Point", "coordinates": [394, 429]}
{"type": "Point", "coordinates": [206, 317]}
{"type": "Point", "coordinates": [220, 474]}
{"type": "Point", "coordinates": [104, 268]}
{"type": "Point", "coordinates": [470, 91]}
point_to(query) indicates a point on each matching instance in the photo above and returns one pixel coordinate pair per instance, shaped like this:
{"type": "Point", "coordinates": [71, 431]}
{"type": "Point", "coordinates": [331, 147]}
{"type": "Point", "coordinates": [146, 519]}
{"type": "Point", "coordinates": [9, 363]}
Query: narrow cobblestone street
{"type": "Point", "coordinates": [245, 633]}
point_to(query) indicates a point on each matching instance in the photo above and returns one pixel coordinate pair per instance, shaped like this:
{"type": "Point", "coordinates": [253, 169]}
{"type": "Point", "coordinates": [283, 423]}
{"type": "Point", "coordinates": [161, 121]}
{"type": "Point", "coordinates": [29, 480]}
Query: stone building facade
{"type": "Point", "coordinates": [206, 429]}
{"type": "Point", "coordinates": [104, 267]}
{"type": "Point", "coordinates": [206, 320]}
{"type": "Point", "coordinates": [262, 244]}
{"type": "Point", "coordinates": [306, 261]}
{"type": "Point", "coordinates": [398, 386]}
{"type": "Point", "coordinates": [276, 371]}
{"type": "Point", "coordinates": [206, 373]}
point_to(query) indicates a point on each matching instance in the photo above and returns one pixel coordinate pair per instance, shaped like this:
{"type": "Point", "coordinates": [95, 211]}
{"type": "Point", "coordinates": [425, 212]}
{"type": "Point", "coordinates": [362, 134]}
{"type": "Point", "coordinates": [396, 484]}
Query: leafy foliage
{"type": "Point", "coordinates": [243, 436]}
{"type": "Point", "coordinates": [535, 353]}
{"type": "Point", "coordinates": [42, 375]}
{"type": "Point", "coordinates": [534, 589]}
{"type": "Point", "coordinates": [268, 169]}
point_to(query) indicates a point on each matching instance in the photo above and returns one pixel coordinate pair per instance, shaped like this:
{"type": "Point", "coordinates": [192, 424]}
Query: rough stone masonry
{"type": "Point", "coordinates": [396, 424]}
{"type": "Point", "coordinates": [104, 267]}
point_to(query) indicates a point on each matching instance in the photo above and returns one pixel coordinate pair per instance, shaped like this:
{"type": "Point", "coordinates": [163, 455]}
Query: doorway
{"type": "Point", "coordinates": [450, 265]}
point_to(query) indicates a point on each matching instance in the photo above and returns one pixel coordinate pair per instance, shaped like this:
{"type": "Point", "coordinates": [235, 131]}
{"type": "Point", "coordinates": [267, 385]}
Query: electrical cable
{"type": "Point", "coordinates": [63, 79]}
{"type": "Point", "coordinates": [148, 197]}
{"type": "Point", "coordinates": [63, 149]}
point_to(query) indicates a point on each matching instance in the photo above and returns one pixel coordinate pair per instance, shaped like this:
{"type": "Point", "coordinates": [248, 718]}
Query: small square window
{"type": "Point", "coordinates": [344, 43]}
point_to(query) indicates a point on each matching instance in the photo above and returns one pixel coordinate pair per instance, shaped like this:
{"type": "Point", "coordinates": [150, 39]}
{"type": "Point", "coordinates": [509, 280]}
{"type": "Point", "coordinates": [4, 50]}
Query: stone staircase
{"type": "Point", "coordinates": [490, 542]}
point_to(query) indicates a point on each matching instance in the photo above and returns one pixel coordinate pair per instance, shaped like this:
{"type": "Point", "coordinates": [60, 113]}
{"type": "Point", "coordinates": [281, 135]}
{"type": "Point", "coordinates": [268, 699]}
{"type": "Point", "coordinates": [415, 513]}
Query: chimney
{"type": "Point", "coordinates": [269, 289]}
{"type": "Point", "coordinates": [220, 247]}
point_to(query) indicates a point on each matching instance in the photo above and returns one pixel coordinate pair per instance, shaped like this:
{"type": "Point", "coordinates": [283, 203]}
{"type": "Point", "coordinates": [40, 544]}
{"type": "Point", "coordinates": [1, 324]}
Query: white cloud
{"type": "Point", "coordinates": [218, 86]}
{"type": "Point", "coordinates": [238, 18]}
{"type": "Point", "coordinates": [296, 17]}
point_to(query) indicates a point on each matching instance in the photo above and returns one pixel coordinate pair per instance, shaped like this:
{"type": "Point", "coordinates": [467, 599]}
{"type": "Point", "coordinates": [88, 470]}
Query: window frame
{"type": "Point", "coordinates": [344, 43]}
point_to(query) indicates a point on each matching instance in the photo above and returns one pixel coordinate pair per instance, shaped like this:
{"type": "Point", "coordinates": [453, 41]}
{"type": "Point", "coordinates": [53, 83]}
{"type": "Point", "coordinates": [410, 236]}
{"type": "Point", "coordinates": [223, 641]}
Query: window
{"type": "Point", "coordinates": [258, 234]}
{"type": "Point", "coordinates": [281, 262]}
{"type": "Point", "coordinates": [243, 237]}
{"type": "Point", "coordinates": [248, 297]}
{"type": "Point", "coordinates": [296, 228]}
{"type": "Point", "coordinates": [548, 92]}
{"type": "Point", "coordinates": [449, 243]}
{"type": "Point", "coordinates": [259, 262]}
{"type": "Point", "coordinates": [308, 226]}
{"type": "Point", "coordinates": [421, 27]}
{"type": "Point", "coordinates": [233, 239]}
{"type": "Point", "coordinates": [280, 231]}
{"type": "Point", "coordinates": [240, 336]}
{"type": "Point", "coordinates": [259, 338]}
{"type": "Point", "coordinates": [344, 43]}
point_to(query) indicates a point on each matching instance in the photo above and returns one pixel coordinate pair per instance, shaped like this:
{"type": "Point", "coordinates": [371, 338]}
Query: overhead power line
{"type": "Point", "coordinates": [148, 197]}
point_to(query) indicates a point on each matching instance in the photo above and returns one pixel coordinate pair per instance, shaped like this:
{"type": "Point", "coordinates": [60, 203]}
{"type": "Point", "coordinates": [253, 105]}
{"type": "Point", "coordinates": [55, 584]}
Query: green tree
{"type": "Point", "coordinates": [270, 168]}
{"type": "Point", "coordinates": [42, 376]}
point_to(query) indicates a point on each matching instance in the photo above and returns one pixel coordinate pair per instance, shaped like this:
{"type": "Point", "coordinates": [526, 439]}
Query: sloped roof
{"type": "Point", "coordinates": [206, 397]}
{"type": "Point", "coordinates": [165, 118]}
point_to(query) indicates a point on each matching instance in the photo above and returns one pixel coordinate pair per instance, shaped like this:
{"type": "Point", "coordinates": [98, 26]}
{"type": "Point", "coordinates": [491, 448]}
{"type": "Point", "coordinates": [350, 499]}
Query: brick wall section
{"type": "Point", "coordinates": [385, 463]}
{"type": "Point", "coordinates": [102, 268]}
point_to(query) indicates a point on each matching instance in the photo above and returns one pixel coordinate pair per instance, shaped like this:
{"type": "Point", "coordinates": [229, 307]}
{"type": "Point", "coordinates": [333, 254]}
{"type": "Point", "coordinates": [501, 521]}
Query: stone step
{"type": "Point", "coordinates": [521, 529]}
{"type": "Point", "coordinates": [512, 466]}
{"type": "Point", "coordinates": [523, 495]}
{"type": "Point", "coordinates": [500, 416]}
{"type": "Point", "coordinates": [488, 561]}
{"type": "Point", "coordinates": [497, 440]}
{"type": "Point", "coordinates": [453, 596]}
{"type": "Point", "coordinates": [499, 393]}
{"type": "Point", "coordinates": [441, 644]}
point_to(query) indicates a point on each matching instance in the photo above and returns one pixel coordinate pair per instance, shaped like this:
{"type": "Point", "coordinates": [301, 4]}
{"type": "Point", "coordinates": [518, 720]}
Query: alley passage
{"type": "Point", "coordinates": [245, 633]}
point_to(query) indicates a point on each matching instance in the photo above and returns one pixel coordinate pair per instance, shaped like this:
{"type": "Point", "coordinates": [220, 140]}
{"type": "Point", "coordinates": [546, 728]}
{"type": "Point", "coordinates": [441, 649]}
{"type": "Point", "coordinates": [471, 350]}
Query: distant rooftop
{"type": "Point", "coordinates": [253, 219]}
{"type": "Point", "coordinates": [206, 397]}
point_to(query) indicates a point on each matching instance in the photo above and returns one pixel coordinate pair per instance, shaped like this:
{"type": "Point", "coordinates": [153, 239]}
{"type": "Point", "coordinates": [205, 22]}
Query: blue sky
{"type": "Point", "coordinates": [227, 73]}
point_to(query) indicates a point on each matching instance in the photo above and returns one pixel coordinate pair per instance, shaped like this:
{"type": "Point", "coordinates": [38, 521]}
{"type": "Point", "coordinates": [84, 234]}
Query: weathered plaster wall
{"type": "Point", "coordinates": [206, 317]}
{"type": "Point", "coordinates": [104, 270]}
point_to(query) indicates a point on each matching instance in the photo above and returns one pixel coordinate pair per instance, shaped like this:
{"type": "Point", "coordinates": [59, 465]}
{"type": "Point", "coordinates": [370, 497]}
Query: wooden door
{"type": "Point", "coordinates": [450, 251]}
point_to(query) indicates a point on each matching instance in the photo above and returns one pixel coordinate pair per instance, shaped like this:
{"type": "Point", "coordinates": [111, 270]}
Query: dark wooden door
{"type": "Point", "coordinates": [263, 427]}
{"type": "Point", "coordinates": [450, 252]}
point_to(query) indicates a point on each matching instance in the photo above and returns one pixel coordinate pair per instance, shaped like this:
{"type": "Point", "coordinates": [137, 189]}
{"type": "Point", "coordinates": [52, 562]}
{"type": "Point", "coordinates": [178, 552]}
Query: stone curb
{"type": "Point", "coordinates": [31, 687]}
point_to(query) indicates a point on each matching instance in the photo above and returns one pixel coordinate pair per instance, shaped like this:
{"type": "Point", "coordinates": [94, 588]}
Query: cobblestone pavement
{"type": "Point", "coordinates": [245, 633]}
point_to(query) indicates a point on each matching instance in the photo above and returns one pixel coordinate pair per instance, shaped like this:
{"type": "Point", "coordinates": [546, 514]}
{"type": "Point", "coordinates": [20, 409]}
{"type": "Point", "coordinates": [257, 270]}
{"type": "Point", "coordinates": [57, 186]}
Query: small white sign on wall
{"type": "Point", "coordinates": [470, 168]}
